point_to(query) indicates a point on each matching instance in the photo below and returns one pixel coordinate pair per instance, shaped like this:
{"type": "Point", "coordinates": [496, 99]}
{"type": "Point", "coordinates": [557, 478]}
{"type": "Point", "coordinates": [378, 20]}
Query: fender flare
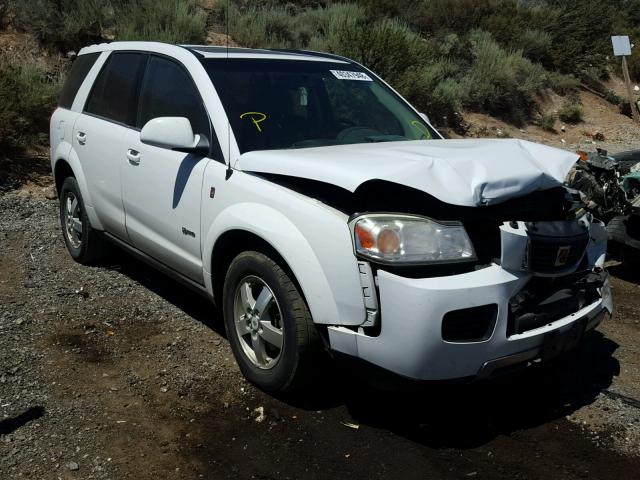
{"type": "Point", "coordinates": [66, 153]}
{"type": "Point", "coordinates": [290, 244]}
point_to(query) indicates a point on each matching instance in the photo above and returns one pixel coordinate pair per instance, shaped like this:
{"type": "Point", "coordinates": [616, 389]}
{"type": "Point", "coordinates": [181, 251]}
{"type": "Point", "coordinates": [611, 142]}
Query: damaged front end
{"type": "Point", "coordinates": [533, 286]}
{"type": "Point", "coordinates": [610, 188]}
{"type": "Point", "coordinates": [463, 274]}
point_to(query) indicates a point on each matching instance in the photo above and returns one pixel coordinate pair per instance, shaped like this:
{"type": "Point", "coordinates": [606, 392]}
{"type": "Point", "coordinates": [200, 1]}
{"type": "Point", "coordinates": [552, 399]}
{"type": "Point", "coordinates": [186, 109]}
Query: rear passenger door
{"type": "Point", "coordinates": [162, 188]}
{"type": "Point", "coordinates": [110, 112]}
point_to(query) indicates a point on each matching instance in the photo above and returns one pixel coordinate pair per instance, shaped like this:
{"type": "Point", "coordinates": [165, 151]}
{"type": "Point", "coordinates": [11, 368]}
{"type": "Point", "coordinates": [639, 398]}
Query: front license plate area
{"type": "Point", "coordinates": [556, 343]}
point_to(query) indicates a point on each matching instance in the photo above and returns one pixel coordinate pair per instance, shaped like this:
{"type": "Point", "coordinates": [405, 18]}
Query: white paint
{"type": "Point", "coordinates": [459, 172]}
{"type": "Point", "coordinates": [169, 132]}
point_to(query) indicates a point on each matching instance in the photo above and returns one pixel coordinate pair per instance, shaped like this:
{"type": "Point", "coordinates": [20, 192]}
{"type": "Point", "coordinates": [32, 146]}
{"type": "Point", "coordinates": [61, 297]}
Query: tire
{"type": "Point", "coordinates": [83, 242]}
{"type": "Point", "coordinates": [277, 306]}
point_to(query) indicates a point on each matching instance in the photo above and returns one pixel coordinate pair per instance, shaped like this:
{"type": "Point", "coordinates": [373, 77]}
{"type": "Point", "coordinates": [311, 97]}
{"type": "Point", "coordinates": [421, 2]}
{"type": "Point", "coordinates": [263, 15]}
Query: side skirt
{"type": "Point", "coordinates": [168, 271]}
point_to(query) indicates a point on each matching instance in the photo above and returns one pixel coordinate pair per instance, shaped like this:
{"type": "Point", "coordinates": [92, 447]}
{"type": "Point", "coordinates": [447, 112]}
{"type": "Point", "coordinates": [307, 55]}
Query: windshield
{"type": "Point", "coordinates": [279, 104]}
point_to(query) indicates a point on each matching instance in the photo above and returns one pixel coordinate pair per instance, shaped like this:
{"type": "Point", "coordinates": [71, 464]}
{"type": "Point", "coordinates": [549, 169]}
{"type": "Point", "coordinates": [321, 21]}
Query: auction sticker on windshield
{"type": "Point", "coordinates": [348, 75]}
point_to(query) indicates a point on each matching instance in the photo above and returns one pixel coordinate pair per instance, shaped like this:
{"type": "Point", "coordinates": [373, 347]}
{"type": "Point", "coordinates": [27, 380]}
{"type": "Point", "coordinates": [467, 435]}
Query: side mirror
{"type": "Point", "coordinates": [174, 133]}
{"type": "Point", "coordinates": [425, 117]}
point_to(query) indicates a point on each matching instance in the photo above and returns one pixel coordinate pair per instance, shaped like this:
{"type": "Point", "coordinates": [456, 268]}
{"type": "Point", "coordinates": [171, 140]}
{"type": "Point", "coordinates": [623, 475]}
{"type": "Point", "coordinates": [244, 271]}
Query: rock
{"type": "Point", "coordinates": [51, 193]}
{"type": "Point", "coordinates": [73, 466]}
{"type": "Point", "coordinates": [261, 416]}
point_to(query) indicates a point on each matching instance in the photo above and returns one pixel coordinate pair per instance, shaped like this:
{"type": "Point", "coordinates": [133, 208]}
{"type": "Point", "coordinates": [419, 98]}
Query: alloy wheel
{"type": "Point", "coordinates": [73, 220]}
{"type": "Point", "coordinates": [258, 322]}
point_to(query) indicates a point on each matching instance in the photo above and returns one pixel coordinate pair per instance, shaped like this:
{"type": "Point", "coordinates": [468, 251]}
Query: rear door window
{"type": "Point", "coordinates": [114, 93]}
{"type": "Point", "coordinates": [76, 76]}
{"type": "Point", "coordinates": [168, 91]}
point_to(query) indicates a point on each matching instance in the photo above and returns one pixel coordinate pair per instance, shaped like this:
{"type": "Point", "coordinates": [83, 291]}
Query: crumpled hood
{"type": "Point", "coordinates": [459, 172]}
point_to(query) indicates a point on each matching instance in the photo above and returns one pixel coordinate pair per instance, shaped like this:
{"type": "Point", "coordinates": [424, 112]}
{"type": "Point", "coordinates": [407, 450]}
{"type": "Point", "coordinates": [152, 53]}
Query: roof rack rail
{"type": "Point", "coordinates": [310, 53]}
{"type": "Point", "coordinates": [196, 53]}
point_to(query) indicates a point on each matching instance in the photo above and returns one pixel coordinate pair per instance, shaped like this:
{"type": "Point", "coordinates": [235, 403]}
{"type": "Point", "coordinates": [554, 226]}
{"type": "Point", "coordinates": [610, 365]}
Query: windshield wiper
{"type": "Point", "coordinates": [384, 138]}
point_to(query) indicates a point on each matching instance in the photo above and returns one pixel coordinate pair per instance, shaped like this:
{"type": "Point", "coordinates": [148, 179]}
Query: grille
{"type": "Point", "coordinates": [555, 254]}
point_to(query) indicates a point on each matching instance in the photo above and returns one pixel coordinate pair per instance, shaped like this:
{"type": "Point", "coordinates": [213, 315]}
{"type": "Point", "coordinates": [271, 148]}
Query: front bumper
{"type": "Point", "coordinates": [410, 341]}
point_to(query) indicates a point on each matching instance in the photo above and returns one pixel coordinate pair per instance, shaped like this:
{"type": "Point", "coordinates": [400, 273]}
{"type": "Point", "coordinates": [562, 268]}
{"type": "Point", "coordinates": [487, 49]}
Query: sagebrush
{"type": "Point", "coordinates": [28, 95]}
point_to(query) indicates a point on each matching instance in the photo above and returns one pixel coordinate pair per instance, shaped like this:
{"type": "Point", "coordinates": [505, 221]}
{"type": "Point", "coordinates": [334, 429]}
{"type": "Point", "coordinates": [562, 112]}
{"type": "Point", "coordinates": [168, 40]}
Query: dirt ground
{"type": "Point", "coordinates": [603, 126]}
{"type": "Point", "coordinates": [116, 372]}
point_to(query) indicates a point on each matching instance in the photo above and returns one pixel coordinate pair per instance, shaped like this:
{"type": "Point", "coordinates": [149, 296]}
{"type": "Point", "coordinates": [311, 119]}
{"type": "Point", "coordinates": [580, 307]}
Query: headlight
{"type": "Point", "coordinates": [410, 239]}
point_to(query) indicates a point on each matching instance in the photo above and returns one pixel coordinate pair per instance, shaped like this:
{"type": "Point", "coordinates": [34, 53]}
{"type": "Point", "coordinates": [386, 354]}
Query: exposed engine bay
{"type": "Point", "coordinates": [610, 188]}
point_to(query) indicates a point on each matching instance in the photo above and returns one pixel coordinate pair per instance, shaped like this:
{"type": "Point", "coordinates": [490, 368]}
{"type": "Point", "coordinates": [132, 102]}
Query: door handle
{"type": "Point", "coordinates": [82, 138]}
{"type": "Point", "coordinates": [133, 156]}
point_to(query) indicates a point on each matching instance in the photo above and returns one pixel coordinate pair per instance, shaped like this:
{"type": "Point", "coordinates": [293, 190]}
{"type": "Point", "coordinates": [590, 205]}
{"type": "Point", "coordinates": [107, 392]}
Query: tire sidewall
{"type": "Point", "coordinates": [71, 185]}
{"type": "Point", "coordinates": [280, 375]}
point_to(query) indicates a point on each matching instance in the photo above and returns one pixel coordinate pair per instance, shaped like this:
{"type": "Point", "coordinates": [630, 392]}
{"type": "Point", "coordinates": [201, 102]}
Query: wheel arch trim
{"type": "Point", "coordinates": [69, 156]}
{"type": "Point", "coordinates": [287, 241]}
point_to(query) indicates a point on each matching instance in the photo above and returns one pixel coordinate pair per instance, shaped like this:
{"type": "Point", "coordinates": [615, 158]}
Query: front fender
{"type": "Point", "coordinates": [283, 235]}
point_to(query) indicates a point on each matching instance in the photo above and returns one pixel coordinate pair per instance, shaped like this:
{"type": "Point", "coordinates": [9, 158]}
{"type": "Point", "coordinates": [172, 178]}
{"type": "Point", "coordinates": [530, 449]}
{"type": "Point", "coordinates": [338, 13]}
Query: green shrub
{"type": "Point", "coordinates": [281, 27]}
{"type": "Point", "coordinates": [534, 44]}
{"type": "Point", "coordinates": [434, 90]}
{"type": "Point", "coordinates": [371, 44]}
{"type": "Point", "coordinates": [570, 113]}
{"type": "Point", "coordinates": [171, 21]}
{"type": "Point", "coordinates": [4, 10]}
{"type": "Point", "coordinates": [71, 24]}
{"type": "Point", "coordinates": [28, 94]}
{"type": "Point", "coordinates": [563, 84]}
{"type": "Point", "coordinates": [65, 23]}
{"type": "Point", "coordinates": [342, 29]}
{"type": "Point", "coordinates": [502, 83]}
{"type": "Point", "coordinates": [612, 97]}
{"type": "Point", "coordinates": [547, 122]}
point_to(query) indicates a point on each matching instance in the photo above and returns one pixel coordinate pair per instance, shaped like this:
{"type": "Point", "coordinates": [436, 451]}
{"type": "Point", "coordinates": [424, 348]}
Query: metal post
{"type": "Point", "coordinates": [627, 80]}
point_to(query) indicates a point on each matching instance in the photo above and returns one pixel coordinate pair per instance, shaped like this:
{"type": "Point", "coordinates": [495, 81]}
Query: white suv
{"type": "Point", "coordinates": [317, 208]}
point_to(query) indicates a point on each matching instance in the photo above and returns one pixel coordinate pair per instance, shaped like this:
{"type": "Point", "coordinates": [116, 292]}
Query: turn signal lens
{"type": "Point", "coordinates": [365, 237]}
{"type": "Point", "coordinates": [390, 238]}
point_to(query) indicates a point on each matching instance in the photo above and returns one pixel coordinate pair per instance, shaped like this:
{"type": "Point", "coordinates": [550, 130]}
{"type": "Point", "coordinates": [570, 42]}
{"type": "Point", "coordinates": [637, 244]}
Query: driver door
{"type": "Point", "coordinates": [162, 188]}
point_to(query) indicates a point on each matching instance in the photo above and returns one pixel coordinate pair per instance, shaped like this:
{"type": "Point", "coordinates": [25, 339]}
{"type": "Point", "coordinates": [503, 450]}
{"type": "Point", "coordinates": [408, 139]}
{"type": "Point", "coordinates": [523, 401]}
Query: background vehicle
{"type": "Point", "coordinates": [312, 203]}
{"type": "Point", "coordinates": [610, 185]}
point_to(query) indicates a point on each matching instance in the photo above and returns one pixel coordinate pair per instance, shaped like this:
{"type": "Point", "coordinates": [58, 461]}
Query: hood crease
{"type": "Point", "coordinates": [467, 172]}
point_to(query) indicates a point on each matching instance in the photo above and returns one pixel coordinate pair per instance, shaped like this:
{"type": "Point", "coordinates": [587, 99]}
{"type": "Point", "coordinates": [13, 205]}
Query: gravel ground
{"type": "Point", "coordinates": [117, 372]}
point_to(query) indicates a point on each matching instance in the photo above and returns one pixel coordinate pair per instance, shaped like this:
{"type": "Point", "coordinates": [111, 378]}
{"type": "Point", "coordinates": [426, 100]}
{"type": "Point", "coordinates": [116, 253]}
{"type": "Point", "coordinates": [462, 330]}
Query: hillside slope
{"type": "Point", "coordinates": [603, 127]}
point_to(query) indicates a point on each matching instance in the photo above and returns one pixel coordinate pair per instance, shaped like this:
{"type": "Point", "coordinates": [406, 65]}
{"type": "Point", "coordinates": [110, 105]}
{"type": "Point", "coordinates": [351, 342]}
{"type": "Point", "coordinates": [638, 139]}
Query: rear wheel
{"type": "Point", "coordinates": [268, 324]}
{"type": "Point", "coordinates": [82, 241]}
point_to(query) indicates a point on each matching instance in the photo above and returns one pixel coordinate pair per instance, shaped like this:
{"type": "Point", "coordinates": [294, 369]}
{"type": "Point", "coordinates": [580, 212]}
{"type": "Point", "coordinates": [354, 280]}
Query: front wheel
{"type": "Point", "coordinates": [268, 324]}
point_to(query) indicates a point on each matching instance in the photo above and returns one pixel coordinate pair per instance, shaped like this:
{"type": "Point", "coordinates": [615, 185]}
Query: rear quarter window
{"type": "Point", "coordinates": [76, 76]}
{"type": "Point", "coordinates": [114, 92]}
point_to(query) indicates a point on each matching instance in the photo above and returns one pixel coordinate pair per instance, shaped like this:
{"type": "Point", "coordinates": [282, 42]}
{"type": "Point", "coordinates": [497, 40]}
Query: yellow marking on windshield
{"type": "Point", "coordinates": [421, 128]}
{"type": "Point", "coordinates": [256, 117]}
